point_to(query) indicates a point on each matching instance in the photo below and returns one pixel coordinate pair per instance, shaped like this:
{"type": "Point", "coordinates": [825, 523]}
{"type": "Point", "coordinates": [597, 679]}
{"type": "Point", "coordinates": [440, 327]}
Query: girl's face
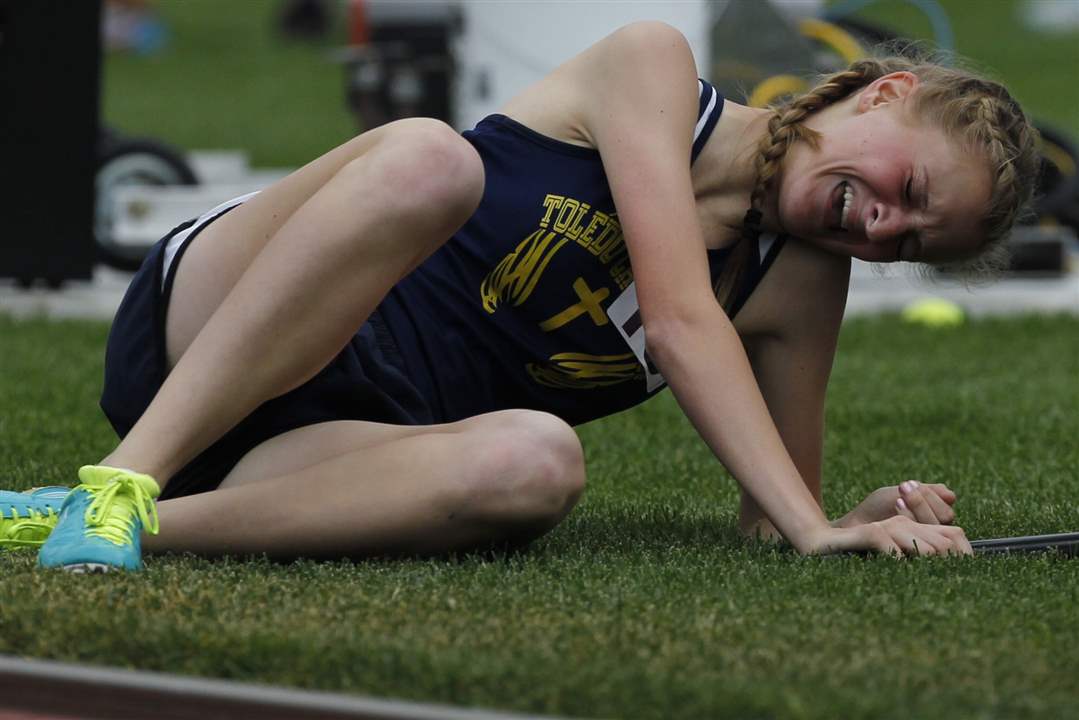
{"type": "Point", "coordinates": [883, 186]}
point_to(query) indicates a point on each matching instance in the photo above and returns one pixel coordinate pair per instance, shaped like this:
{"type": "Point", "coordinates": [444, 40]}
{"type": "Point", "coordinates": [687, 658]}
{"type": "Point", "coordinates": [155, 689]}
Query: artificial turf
{"type": "Point", "coordinates": [644, 603]}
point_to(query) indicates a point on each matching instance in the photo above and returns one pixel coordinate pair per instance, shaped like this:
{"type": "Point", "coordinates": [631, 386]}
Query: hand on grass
{"type": "Point", "coordinates": [928, 503]}
{"type": "Point", "coordinates": [898, 535]}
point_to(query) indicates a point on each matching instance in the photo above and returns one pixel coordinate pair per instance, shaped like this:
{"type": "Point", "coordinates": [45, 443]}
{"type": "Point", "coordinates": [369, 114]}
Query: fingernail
{"type": "Point", "coordinates": [906, 487]}
{"type": "Point", "coordinates": [900, 504]}
{"type": "Point", "coordinates": [915, 484]}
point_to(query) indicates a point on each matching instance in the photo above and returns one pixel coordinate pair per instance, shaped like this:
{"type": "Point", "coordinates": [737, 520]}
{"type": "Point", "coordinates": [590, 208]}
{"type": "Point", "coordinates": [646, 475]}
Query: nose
{"type": "Point", "coordinates": [885, 222]}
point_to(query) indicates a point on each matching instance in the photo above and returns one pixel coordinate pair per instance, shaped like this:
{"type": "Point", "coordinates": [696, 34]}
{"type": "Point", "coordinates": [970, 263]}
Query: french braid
{"type": "Point", "coordinates": [784, 129]}
{"type": "Point", "coordinates": [979, 113]}
{"type": "Point", "coordinates": [785, 125]}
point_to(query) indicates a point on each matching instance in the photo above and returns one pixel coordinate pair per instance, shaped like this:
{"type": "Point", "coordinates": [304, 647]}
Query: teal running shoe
{"type": "Point", "coordinates": [101, 522]}
{"type": "Point", "coordinates": [27, 518]}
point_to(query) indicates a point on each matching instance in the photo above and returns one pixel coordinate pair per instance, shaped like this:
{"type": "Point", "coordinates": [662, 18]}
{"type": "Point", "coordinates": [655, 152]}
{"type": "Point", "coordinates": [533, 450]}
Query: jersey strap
{"type": "Point", "coordinates": [625, 311]}
{"type": "Point", "coordinates": [709, 108]}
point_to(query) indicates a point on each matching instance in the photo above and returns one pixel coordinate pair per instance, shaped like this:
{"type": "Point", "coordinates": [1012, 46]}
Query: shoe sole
{"type": "Point", "coordinates": [89, 568]}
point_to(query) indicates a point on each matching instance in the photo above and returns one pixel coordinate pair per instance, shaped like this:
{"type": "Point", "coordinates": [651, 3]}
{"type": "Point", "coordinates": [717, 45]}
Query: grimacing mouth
{"type": "Point", "coordinates": [842, 195]}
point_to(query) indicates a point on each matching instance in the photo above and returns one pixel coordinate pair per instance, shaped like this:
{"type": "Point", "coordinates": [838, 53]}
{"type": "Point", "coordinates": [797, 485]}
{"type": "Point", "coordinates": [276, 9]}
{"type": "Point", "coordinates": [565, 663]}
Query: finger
{"type": "Point", "coordinates": [925, 544]}
{"type": "Point", "coordinates": [916, 502]}
{"type": "Point", "coordinates": [943, 511]}
{"type": "Point", "coordinates": [912, 545]}
{"type": "Point", "coordinates": [890, 547]}
{"type": "Point", "coordinates": [934, 539]}
{"type": "Point", "coordinates": [959, 540]}
{"type": "Point", "coordinates": [947, 540]}
{"type": "Point", "coordinates": [942, 491]}
{"type": "Point", "coordinates": [881, 540]}
{"type": "Point", "coordinates": [902, 509]}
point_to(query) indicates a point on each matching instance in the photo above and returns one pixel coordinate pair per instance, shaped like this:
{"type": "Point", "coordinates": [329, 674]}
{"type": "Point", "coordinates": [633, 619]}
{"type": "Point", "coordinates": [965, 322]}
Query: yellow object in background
{"type": "Point", "coordinates": [934, 312]}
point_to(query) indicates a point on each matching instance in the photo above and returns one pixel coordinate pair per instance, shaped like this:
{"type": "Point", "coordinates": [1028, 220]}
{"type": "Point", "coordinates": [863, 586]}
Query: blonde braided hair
{"type": "Point", "coordinates": [979, 113]}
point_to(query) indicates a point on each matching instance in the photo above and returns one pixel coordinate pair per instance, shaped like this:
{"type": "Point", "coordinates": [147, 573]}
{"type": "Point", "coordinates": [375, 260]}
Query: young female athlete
{"type": "Point", "coordinates": [384, 352]}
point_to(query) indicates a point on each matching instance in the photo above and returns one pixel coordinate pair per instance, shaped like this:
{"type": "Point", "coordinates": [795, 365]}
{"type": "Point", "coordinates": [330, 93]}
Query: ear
{"type": "Point", "coordinates": [887, 89]}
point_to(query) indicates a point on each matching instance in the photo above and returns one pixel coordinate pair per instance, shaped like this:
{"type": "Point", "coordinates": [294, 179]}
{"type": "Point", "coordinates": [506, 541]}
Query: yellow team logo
{"type": "Point", "coordinates": [516, 276]}
{"type": "Point", "coordinates": [514, 279]}
{"type": "Point", "coordinates": [578, 371]}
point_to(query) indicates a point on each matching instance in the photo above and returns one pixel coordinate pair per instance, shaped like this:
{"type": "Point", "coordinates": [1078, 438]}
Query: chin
{"type": "Point", "coordinates": [800, 223]}
{"type": "Point", "coordinates": [835, 247]}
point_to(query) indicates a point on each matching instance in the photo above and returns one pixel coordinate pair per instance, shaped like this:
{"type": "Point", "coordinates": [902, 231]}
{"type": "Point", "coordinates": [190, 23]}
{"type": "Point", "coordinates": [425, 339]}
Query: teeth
{"type": "Point", "coordinates": [848, 196]}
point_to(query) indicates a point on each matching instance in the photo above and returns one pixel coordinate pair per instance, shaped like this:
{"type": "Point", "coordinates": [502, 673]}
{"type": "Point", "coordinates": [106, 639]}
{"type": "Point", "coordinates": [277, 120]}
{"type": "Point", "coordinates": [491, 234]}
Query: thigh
{"type": "Point", "coordinates": [504, 438]}
{"type": "Point", "coordinates": [222, 251]}
{"type": "Point", "coordinates": [307, 446]}
{"type": "Point", "coordinates": [359, 489]}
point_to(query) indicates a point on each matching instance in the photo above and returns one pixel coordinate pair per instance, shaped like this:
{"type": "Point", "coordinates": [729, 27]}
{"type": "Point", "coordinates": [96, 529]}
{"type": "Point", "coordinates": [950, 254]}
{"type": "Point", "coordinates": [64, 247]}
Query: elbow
{"type": "Point", "coordinates": [665, 335]}
{"type": "Point", "coordinates": [676, 322]}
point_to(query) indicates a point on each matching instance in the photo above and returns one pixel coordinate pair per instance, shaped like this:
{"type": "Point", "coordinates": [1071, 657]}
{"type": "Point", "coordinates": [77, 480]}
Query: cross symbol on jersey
{"type": "Point", "coordinates": [589, 303]}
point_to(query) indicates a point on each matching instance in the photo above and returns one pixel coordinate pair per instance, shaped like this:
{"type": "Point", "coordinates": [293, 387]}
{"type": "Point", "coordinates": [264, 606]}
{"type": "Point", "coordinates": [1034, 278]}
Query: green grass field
{"type": "Point", "coordinates": [644, 603]}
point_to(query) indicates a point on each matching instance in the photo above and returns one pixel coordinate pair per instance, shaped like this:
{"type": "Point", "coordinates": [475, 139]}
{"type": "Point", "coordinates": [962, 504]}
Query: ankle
{"type": "Point", "coordinates": [133, 465]}
{"type": "Point", "coordinates": [101, 476]}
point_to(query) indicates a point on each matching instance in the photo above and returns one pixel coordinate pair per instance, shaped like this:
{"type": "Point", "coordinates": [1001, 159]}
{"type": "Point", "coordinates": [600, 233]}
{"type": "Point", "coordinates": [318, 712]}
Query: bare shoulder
{"type": "Point", "coordinates": [564, 104]}
{"type": "Point", "coordinates": [635, 50]}
{"type": "Point", "coordinates": [801, 298]}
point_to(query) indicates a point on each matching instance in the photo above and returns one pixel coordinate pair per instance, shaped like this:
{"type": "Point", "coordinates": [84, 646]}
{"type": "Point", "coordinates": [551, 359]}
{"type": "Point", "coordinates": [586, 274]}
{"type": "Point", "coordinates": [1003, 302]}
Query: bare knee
{"type": "Point", "coordinates": [424, 171]}
{"type": "Point", "coordinates": [529, 471]}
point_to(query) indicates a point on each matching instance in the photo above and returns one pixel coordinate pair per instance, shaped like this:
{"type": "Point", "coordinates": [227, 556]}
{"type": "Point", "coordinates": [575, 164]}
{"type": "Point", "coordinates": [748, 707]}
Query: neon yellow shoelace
{"type": "Point", "coordinates": [112, 512]}
{"type": "Point", "coordinates": [30, 531]}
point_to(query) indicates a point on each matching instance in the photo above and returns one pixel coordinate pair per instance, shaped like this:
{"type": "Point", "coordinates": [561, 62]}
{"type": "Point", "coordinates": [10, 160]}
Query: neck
{"type": "Point", "coordinates": [725, 173]}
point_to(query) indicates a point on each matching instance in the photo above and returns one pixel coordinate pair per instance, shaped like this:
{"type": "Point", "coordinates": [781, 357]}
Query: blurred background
{"type": "Point", "coordinates": [201, 100]}
{"type": "Point", "coordinates": [229, 75]}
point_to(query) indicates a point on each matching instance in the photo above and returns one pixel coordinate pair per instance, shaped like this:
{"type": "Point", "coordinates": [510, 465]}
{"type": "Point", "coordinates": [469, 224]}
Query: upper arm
{"type": "Point", "coordinates": [791, 328]}
{"type": "Point", "coordinates": [641, 118]}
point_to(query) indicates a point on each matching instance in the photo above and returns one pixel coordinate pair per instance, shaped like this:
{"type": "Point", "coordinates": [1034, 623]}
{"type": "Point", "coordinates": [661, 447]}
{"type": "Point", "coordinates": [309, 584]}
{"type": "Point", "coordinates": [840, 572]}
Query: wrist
{"type": "Point", "coordinates": [826, 540]}
{"type": "Point", "coordinates": [801, 530]}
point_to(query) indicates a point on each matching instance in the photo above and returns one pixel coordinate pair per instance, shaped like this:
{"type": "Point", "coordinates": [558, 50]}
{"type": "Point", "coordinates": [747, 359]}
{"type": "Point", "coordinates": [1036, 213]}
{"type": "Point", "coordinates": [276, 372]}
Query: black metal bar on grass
{"type": "Point", "coordinates": [1065, 543]}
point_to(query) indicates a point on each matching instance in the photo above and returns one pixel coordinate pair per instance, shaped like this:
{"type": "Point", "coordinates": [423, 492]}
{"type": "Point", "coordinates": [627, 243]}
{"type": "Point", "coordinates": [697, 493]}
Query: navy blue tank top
{"type": "Point", "coordinates": [532, 303]}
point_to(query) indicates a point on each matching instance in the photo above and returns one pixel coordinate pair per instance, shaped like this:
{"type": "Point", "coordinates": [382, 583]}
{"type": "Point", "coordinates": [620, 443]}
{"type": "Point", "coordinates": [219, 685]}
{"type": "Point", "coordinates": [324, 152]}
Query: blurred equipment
{"type": "Point", "coordinates": [50, 55]}
{"type": "Point", "coordinates": [505, 46]}
{"type": "Point", "coordinates": [842, 12]}
{"type": "Point", "coordinates": [460, 61]}
{"type": "Point", "coordinates": [1040, 244]}
{"type": "Point", "coordinates": [1057, 199]}
{"type": "Point", "coordinates": [124, 163]}
{"type": "Point", "coordinates": [761, 66]}
{"type": "Point", "coordinates": [398, 62]}
{"type": "Point", "coordinates": [305, 19]}
{"type": "Point", "coordinates": [145, 189]}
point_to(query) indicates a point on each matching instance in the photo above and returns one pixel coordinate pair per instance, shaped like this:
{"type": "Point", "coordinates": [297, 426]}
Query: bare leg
{"type": "Point", "coordinates": [380, 489]}
{"type": "Point", "coordinates": [306, 291]}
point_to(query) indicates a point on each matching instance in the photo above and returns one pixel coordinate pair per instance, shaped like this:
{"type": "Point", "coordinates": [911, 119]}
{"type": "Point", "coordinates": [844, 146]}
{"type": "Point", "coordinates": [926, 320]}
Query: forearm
{"type": "Point", "coordinates": [707, 369]}
{"type": "Point", "coordinates": [792, 373]}
{"type": "Point", "coordinates": [752, 519]}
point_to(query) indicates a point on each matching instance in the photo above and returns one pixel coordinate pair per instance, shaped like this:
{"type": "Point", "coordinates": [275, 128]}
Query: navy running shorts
{"type": "Point", "coordinates": [366, 381]}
